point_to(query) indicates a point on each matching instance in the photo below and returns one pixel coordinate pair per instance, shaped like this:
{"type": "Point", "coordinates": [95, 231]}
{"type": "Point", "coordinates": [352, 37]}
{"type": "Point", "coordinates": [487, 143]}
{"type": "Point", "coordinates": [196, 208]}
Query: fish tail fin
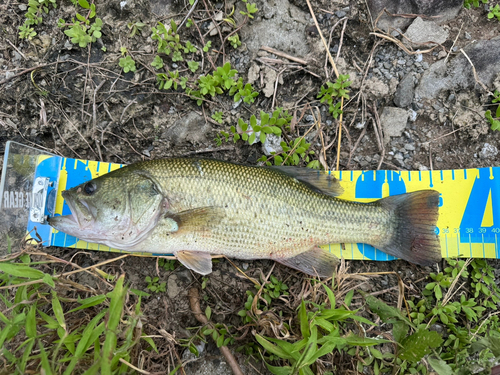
{"type": "Point", "coordinates": [414, 238]}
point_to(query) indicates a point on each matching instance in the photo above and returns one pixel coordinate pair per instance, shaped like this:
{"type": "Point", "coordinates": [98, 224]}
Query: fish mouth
{"type": "Point", "coordinates": [80, 218]}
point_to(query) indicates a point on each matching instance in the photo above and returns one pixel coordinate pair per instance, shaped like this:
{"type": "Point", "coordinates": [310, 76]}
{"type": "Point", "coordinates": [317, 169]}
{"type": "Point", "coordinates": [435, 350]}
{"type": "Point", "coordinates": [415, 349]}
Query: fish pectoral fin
{"type": "Point", "coordinates": [318, 181]}
{"type": "Point", "coordinates": [197, 261]}
{"type": "Point", "coordinates": [197, 219]}
{"type": "Point", "coordinates": [314, 262]}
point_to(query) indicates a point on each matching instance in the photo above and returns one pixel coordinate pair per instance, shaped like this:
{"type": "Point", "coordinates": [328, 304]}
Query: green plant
{"type": "Point", "coordinates": [135, 27]}
{"type": "Point", "coordinates": [167, 264]}
{"type": "Point", "coordinates": [127, 63]}
{"type": "Point", "coordinates": [101, 343]}
{"type": "Point", "coordinates": [321, 334]}
{"type": "Point", "coordinates": [220, 81]}
{"type": "Point", "coordinates": [169, 41]}
{"type": "Point", "coordinates": [272, 289]}
{"type": "Point", "coordinates": [34, 17]}
{"type": "Point", "coordinates": [165, 81]}
{"type": "Point", "coordinates": [207, 46]}
{"type": "Point", "coordinates": [235, 40]}
{"type": "Point", "coordinates": [157, 62]}
{"type": "Point", "coordinates": [475, 3]}
{"type": "Point", "coordinates": [217, 116]}
{"type": "Point", "coordinates": [494, 12]}
{"type": "Point", "coordinates": [154, 285]}
{"type": "Point", "coordinates": [334, 91]}
{"type": "Point", "coordinates": [251, 9]}
{"type": "Point", "coordinates": [193, 66]}
{"type": "Point", "coordinates": [81, 31]}
{"type": "Point", "coordinates": [494, 121]}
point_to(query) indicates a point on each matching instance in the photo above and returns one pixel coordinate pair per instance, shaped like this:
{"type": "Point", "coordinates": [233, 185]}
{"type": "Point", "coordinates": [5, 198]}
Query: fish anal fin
{"type": "Point", "coordinates": [314, 262]}
{"type": "Point", "coordinates": [318, 181]}
{"type": "Point", "coordinates": [197, 261]}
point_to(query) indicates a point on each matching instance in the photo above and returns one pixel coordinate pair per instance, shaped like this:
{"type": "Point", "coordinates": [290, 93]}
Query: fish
{"type": "Point", "coordinates": [194, 208]}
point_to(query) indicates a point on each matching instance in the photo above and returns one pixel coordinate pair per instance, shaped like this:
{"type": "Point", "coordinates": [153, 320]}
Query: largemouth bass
{"type": "Point", "coordinates": [193, 208]}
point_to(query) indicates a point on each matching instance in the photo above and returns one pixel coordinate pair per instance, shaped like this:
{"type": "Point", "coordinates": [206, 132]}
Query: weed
{"type": "Point", "coordinates": [135, 27]}
{"type": "Point", "coordinates": [494, 121]}
{"type": "Point", "coordinates": [217, 116]}
{"type": "Point", "coordinates": [494, 12]}
{"type": "Point", "coordinates": [157, 62]}
{"type": "Point", "coordinates": [207, 46]}
{"type": "Point", "coordinates": [168, 40]}
{"type": "Point", "coordinates": [273, 289]}
{"type": "Point", "coordinates": [127, 63]}
{"type": "Point", "coordinates": [93, 333]}
{"type": "Point", "coordinates": [320, 331]}
{"type": "Point", "coordinates": [154, 285]}
{"type": "Point", "coordinates": [166, 81]}
{"type": "Point", "coordinates": [475, 3]}
{"type": "Point", "coordinates": [235, 40]}
{"type": "Point", "coordinates": [334, 91]}
{"type": "Point", "coordinates": [251, 9]}
{"type": "Point", "coordinates": [193, 66]}
{"type": "Point", "coordinates": [34, 17]}
{"type": "Point", "coordinates": [167, 264]}
{"type": "Point", "coordinates": [81, 31]}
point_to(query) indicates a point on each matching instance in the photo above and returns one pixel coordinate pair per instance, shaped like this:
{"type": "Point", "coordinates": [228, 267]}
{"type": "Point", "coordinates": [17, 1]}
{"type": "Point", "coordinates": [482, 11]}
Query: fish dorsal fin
{"type": "Point", "coordinates": [197, 261]}
{"type": "Point", "coordinates": [319, 181]}
{"type": "Point", "coordinates": [194, 220]}
{"type": "Point", "coordinates": [314, 262]}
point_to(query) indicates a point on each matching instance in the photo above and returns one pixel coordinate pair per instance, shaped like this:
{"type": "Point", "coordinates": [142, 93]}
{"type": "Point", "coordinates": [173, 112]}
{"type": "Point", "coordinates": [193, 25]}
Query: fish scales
{"type": "Point", "coordinates": [196, 207]}
{"type": "Point", "coordinates": [267, 213]}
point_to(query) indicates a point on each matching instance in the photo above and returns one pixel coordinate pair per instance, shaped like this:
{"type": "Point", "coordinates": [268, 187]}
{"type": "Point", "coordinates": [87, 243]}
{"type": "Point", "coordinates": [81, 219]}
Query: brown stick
{"type": "Point", "coordinates": [283, 54]}
{"type": "Point", "coordinates": [194, 302]}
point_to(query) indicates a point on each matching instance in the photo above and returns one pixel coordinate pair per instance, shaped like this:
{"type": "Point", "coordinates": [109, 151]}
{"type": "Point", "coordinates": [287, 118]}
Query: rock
{"type": "Point", "coordinates": [376, 88]}
{"type": "Point", "coordinates": [488, 151]}
{"type": "Point", "coordinates": [253, 73]}
{"type": "Point", "coordinates": [421, 33]}
{"type": "Point", "coordinates": [405, 91]}
{"type": "Point", "coordinates": [458, 73]}
{"type": "Point", "coordinates": [173, 289]}
{"type": "Point", "coordinates": [270, 76]}
{"type": "Point", "coordinates": [445, 10]}
{"type": "Point", "coordinates": [189, 128]}
{"type": "Point", "coordinates": [282, 27]}
{"type": "Point", "coordinates": [393, 121]}
{"type": "Point", "coordinates": [409, 147]}
{"type": "Point", "coordinates": [272, 144]}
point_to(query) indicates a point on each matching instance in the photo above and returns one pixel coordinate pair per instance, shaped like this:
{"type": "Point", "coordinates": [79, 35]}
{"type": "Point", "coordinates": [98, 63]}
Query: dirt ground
{"type": "Point", "coordinates": [77, 102]}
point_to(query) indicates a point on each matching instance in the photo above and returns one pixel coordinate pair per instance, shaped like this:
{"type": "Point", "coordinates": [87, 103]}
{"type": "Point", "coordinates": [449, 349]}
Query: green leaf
{"type": "Point", "coordinates": [383, 310]}
{"type": "Point", "coordinates": [399, 331]}
{"type": "Point", "coordinates": [251, 140]}
{"type": "Point", "coordinates": [350, 294]}
{"type": "Point", "coordinates": [304, 323]}
{"type": "Point", "coordinates": [416, 346]}
{"type": "Point", "coordinates": [58, 311]}
{"type": "Point", "coordinates": [440, 366]}
{"type": "Point", "coordinates": [19, 270]}
{"type": "Point", "coordinates": [30, 327]}
{"type": "Point", "coordinates": [84, 4]}
{"type": "Point", "coordinates": [208, 312]}
{"type": "Point", "coordinates": [273, 349]}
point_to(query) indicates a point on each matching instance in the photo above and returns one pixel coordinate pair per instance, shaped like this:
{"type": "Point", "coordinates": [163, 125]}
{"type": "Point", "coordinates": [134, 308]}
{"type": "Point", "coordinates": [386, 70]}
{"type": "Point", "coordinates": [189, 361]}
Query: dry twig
{"type": "Point", "coordinates": [194, 303]}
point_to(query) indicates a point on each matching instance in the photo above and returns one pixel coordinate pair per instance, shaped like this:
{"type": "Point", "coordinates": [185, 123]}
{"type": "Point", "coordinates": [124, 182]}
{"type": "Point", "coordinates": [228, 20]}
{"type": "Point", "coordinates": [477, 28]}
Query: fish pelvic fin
{"type": "Point", "coordinates": [314, 262]}
{"type": "Point", "coordinates": [414, 238]}
{"type": "Point", "coordinates": [197, 261]}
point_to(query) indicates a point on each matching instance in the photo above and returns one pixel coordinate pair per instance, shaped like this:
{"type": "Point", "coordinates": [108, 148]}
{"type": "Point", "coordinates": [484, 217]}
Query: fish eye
{"type": "Point", "coordinates": [89, 188]}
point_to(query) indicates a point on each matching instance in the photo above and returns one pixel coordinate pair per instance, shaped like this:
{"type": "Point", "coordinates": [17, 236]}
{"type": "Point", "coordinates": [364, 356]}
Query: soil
{"type": "Point", "coordinates": [78, 102]}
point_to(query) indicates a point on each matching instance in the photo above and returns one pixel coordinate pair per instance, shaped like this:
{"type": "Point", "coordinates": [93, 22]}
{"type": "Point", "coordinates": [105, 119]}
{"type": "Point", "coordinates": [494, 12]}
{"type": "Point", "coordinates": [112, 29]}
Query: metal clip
{"type": "Point", "coordinates": [39, 200]}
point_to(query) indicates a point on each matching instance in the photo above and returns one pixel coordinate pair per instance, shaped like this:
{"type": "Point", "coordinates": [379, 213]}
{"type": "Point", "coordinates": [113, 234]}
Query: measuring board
{"type": "Point", "coordinates": [469, 204]}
